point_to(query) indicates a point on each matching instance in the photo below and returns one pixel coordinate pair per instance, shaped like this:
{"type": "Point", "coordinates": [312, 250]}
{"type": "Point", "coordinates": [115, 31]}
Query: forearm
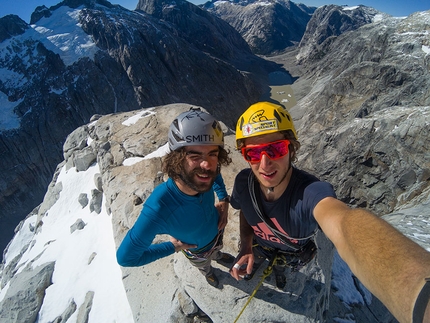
{"type": "Point", "coordinates": [130, 254]}
{"type": "Point", "coordinates": [389, 264]}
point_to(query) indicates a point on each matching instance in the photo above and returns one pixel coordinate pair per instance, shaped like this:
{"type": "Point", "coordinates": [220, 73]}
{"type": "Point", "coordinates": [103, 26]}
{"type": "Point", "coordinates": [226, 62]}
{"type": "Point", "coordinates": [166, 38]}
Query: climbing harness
{"type": "Point", "coordinates": [266, 273]}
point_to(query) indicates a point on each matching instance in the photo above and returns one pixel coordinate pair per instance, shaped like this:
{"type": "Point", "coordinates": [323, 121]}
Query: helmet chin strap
{"type": "Point", "coordinates": [272, 189]}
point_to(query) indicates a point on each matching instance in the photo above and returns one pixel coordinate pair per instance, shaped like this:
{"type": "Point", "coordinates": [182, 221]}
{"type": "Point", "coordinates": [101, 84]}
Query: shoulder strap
{"type": "Point", "coordinates": [256, 201]}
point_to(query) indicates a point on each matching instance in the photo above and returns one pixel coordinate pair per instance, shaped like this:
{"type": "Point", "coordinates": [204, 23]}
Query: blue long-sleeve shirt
{"type": "Point", "coordinates": [190, 219]}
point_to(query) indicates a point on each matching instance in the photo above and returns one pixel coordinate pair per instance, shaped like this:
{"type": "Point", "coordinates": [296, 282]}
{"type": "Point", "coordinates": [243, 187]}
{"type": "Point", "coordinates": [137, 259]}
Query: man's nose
{"type": "Point", "coordinates": [205, 164]}
{"type": "Point", "coordinates": [265, 160]}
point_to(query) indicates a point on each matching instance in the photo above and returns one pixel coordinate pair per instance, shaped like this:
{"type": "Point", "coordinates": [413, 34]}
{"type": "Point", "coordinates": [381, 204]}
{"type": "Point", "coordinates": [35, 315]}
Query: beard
{"type": "Point", "coordinates": [189, 179]}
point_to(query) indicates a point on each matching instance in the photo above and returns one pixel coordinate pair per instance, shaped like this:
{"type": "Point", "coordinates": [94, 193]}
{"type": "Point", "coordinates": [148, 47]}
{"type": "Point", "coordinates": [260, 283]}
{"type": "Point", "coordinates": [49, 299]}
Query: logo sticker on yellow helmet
{"type": "Point", "coordinates": [257, 127]}
{"type": "Point", "coordinates": [263, 118]}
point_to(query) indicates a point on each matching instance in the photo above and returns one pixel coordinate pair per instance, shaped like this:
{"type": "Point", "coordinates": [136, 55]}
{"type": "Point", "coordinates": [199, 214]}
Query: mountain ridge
{"type": "Point", "coordinates": [73, 63]}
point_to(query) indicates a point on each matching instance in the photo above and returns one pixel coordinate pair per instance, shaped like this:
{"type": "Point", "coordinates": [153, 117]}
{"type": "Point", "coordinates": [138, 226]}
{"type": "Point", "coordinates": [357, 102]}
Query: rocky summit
{"type": "Point", "coordinates": [267, 26]}
{"type": "Point", "coordinates": [61, 264]}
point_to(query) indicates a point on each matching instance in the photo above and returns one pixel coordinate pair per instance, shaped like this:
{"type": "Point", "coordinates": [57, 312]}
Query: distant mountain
{"type": "Point", "coordinates": [268, 26]}
{"type": "Point", "coordinates": [330, 21]}
{"type": "Point", "coordinates": [377, 71]}
{"type": "Point", "coordinates": [81, 58]}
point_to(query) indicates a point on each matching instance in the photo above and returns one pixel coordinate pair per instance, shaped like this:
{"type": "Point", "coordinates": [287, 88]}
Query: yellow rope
{"type": "Point", "coordinates": [266, 273]}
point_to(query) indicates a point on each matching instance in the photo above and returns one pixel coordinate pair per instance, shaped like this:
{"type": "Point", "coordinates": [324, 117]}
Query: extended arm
{"type": "Point", "coordinates": [136, 248]}
{"type": "Point", "coordinates": [389, 264]}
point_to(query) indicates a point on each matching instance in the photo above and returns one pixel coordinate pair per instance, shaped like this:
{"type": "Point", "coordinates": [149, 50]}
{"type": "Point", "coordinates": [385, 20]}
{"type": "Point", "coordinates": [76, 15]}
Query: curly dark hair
{"type": "Point", "coordinates": [173, 161]}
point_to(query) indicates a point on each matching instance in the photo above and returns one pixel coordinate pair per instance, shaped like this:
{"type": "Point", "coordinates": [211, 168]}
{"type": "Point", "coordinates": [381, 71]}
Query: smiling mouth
{"type": "Point", "coordinates": [268, 174]}
{"type": "Point", "coordinates": [203, 176]}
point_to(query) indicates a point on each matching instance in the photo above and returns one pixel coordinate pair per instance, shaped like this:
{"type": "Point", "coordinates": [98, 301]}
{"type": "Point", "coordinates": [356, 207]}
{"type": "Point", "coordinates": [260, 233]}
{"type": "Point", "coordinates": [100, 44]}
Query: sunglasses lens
{"type": "Point", "coordinates": [273, 150]}
{"type": "Point", "coordinates": [253, 154]}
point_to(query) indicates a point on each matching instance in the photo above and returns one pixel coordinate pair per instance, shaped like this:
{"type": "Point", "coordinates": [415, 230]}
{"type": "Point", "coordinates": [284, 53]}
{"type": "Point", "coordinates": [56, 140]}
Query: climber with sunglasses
{"type": "Point", "coordinates": [283, 209]}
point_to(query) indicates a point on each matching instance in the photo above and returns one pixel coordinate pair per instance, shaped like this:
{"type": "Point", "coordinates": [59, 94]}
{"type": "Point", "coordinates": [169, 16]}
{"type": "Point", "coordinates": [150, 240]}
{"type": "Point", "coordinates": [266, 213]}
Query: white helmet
{"type": "Point", "coordinates": [193, 128]}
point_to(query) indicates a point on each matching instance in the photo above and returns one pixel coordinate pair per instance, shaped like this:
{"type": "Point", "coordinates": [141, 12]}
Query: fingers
{"type": "Point", "coordinates": [243, 265]}
{"type": "Point", "coordinates": [179, 245]}
{"type": "Point", "coordinates": [249, 267]}
{"type": "Point", "coordinates": [189, 246]}
{"type": "Point", "coordinates": [236, 272]}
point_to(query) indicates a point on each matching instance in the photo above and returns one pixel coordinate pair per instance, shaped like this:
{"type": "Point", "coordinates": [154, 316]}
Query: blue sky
{"type": "Point", "coordinates": [24, 8]}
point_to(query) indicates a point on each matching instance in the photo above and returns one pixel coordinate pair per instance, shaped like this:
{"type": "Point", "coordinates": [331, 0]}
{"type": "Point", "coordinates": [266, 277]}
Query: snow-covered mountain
{"type": "Point", "coordinates": [81, 58]}
{"type": "Point", "coordinates": [267, 26]}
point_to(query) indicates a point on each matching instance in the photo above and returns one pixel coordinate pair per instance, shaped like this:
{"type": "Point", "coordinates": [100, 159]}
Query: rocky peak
{"type": "Point", "coordinates": [43, 11]}
{"type": "Point", "coordinates": [156, 7]}
{"type": "Point", "coordinates": [284, 21]}
{"type": "Point", "coordinates": [331, 21]}
{"type": "Point", "coordinates": [206, 31]}
{"type": "Point", "coordinates": [379, 69]}
{"type": "Point", "coordinates": [39, 13]}
{"type": "Point", "coordinates": [11, 25]}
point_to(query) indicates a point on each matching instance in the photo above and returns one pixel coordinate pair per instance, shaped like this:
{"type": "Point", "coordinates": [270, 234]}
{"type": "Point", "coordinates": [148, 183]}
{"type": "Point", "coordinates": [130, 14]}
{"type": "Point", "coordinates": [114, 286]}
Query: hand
{"type": "Point", "coordinates": [179, 245]}
{"type": "Point", "coordinates": [222, 208]}
{"type": "Point", "coordinates": [239, 270]}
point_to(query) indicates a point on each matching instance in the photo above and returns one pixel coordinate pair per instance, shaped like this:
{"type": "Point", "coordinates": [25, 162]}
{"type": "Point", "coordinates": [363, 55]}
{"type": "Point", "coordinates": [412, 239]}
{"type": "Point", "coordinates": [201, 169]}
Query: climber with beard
{"type": "Point", "coordinates": [184, 206]}
{"type": "Point", "coordinates": [282, 208]}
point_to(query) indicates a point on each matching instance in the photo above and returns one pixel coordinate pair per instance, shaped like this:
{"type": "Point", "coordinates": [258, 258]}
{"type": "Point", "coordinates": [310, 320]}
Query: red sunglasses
{"type": "Point", "coordinates": [273, 150]}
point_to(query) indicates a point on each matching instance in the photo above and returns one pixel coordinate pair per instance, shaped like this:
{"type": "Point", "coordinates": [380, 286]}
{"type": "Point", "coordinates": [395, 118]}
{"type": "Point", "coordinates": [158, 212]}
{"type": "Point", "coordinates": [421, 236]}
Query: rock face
{"type": "Point", "coordinates": [22, 302]}
{"type": "Point", "coordinates": [170, 289]}
{"type": "Point", "coordinates": [204, 30]}
{"type": "Point", "coordinates": [327, 23]}
{"type": "Point", "coordinates": [374, 81]}
{"type": "Point", "coordinates": [81, 58]}
{"type": "Point", "coordinates": [267, 26]}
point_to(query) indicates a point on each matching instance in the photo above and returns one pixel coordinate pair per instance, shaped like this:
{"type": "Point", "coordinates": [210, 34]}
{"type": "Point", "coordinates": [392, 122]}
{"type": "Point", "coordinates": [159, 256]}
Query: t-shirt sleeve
{"type": "Point", "coordinates": [219, 187]}
{"type": "Point", "coordinates": [240, 184]}
{"type": "Point", "coordinates": [317, 191]}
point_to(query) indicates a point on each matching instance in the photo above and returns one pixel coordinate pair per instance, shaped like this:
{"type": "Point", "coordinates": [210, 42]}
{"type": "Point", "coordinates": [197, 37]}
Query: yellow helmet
{"type": "Point", "coordinates": [263, 118]}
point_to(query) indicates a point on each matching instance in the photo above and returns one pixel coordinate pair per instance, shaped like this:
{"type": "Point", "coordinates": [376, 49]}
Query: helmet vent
{"type": "Point", "coordinates": [242, 120]}
{"type": "Point", "coordinates": [175, 124]}
{"type": "Point", "coordinates": [176, 137]}
{"type": "Point", "coordinates": [277, 116]}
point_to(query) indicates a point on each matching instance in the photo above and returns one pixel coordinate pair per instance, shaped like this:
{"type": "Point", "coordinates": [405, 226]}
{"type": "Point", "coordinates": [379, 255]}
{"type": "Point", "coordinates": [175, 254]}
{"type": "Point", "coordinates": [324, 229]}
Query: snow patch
{"type": "Point", "coordinates": [350, 8]}
{"type": "Point", "coordinates": [160, 152]}
{"type": "Point", "coordinates": [84, 259]}
{"type": "Point", "coordinates": [62, 34]}
{"type": "Point", "coordinates": [143, 114]}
